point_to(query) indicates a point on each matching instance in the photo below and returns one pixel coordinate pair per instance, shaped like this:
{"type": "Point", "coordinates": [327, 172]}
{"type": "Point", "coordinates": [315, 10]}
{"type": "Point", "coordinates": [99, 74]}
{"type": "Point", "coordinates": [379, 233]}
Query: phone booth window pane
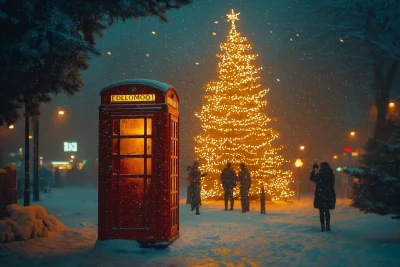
{"type": "Point", "coordinates": [132, 127]}
{"type": "Point", "coordinates": [148, 166]}
{"type": "Point", "coordinates": [114, 163]}
{"type": "Point", "coordinates": [115, 146]}
{"type": "Point", "coordinates": [149, 145]}
{"type": "Point", "coordinates": [131, 146]}
{"type": "Point", "coordinates": [149, 127]}
{"type": "Point", "coordinates": [132, 166]}
{"type": "Point", "coordinates": [115, 126]}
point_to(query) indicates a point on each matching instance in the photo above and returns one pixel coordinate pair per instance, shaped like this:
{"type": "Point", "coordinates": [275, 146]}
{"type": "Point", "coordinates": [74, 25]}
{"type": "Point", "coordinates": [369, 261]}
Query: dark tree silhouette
{"type": "Point", "coordinates": [46, 45]}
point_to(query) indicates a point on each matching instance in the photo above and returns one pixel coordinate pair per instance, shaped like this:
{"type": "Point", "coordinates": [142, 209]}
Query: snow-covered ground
{"type": "Point", "coordinates": [288, 235]}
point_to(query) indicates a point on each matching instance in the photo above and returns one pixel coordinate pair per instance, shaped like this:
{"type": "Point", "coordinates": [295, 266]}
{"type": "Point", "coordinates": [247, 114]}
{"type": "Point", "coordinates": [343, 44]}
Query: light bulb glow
{"type": "Point", "coordinates": [235, 127]}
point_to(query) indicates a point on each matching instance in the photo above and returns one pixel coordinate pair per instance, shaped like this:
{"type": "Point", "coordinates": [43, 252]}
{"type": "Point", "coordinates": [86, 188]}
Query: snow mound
{"type": "Point", "coordinates": [26, 223]}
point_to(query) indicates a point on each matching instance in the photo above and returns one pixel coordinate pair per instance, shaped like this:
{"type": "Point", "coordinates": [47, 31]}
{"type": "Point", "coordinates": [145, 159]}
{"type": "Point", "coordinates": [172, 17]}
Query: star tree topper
{"type": "Point", "coordinates": [232, 17]}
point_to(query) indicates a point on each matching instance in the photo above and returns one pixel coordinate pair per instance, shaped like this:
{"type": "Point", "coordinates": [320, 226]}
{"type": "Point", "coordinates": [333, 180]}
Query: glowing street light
{"type": "Point", "coordinates": [353, 133]}
{"type": "Point", "coordinates": [391, 105]}
{"type": "Point", "coordinates": [334, 157]}
{"type": "Point", "coordinates": [30, 136]}
{"type": "Point", "coordinates": [302, 148]}
{"type": "Point", "coordinates": [298, 164]}
{"type": "Point", "coordinates": [72, 156]}
{"type": "Point", "coordinates": [61, 112]}
{"type": "Point", "coordinates": [11, 126]}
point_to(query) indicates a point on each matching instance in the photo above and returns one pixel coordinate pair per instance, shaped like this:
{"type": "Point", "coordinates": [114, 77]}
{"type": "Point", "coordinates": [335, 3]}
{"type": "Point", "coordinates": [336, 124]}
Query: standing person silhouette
{"type": "Point", "coordinates": [325, 196]}
{"type": "Point", "coordinates": [228, 179]}
{"type": "Point", "coordinates": [195, 180]}
{"type": "Point", "coordinates": [245, 183]}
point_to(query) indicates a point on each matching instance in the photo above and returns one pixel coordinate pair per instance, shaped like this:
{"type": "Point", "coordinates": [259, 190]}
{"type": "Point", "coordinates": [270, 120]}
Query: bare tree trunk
{"type": "Point", "coordinates": [27, 192]}
{"type": "Point", "coordinates": [382, 97]}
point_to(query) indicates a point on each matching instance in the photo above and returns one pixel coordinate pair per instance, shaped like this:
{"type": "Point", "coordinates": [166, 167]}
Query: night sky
{"type": "Point", "coordinates": [313, 106]}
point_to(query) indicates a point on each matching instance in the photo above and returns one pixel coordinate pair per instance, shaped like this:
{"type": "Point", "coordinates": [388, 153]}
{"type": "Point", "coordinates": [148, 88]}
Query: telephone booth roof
{"type": "Point", "coordinates": [153, 83]}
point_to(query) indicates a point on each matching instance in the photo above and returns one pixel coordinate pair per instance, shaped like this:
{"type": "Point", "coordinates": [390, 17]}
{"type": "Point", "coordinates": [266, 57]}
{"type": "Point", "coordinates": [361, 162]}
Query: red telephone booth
{"type": "Point", "coordinates": [139, 162]}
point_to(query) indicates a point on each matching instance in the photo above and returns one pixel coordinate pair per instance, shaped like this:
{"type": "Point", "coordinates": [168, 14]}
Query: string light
{"type": "Point", "coordinates": [234, 127]}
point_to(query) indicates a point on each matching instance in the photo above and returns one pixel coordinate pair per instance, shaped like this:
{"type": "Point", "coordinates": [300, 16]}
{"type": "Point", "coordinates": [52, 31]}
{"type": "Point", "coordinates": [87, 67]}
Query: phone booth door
{"type": "Point", "coordinates": [132, 175]}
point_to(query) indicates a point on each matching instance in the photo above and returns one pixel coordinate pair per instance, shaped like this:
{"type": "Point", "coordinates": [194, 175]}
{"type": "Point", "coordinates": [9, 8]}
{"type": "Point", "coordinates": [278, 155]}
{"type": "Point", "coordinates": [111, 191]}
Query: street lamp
{"type": "Point", "coordinates": [302, 148]}
{"type": "Point", "coordinates": [298, 164]}
{"type": "Point", "coordinates": [334, 157]}
{"type": "Point", "coordinates": [61, 112]}
{"type": "Point", "coordinates": [353, 133]}
{"type": "Point", "coordinates": [391, 105]}
{"type": "Point", "coordinates": [11, 126]}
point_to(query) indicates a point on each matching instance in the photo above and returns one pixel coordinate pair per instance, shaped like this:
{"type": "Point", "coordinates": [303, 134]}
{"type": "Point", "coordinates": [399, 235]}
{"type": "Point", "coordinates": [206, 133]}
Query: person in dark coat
{"type": "Point", "coordinates": [245, 183]}
{"type": "Point", "coordinates": [57, 177]}
{"type": "Point", "coordinates": [228, 179]}
{"type": "Point", "coordinates": [189, 188]}
{"type": "Point", "coordinates": [195, 179]}
{"type": "Point", "coordinates": [325, 196]}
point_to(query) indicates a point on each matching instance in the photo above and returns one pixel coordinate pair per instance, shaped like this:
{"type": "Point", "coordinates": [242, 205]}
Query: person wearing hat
{"type": "Point", "coordinates": [245, 183]}
{"type": "Point", "coordinates": [325, 196]}
{"type": "Point", "coordinates": [228, 179]}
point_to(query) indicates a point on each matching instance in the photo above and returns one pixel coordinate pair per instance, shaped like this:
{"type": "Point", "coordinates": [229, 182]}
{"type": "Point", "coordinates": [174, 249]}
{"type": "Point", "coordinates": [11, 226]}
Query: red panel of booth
{"type": "Point", "coordinates": [139, 162]}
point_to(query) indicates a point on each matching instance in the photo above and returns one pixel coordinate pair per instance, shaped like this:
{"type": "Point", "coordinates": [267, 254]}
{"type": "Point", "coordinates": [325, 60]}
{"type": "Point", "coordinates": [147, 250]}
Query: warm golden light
{"type": "Point", "coordinates": [214, 33]}
{"type": "Point", "coordinates": [391, 105]}
{"type": "Point", "coordinates": [147, 55]}
{"type": "Point", "coordinates": [352, 133]}
{"type": "Point", "coordinates": [153, 32]}
{"type": "Point", "coordinates": [302, 147]}
{"type": "Point", "coordinates": [235, 127]}
{"type": "Point", "coordinates": [341, 40]}
{"type": "Point", "coordinates": [334, 157]}
{"type": "Point", "coordinates": [61, 112]}
{"type": "Point", "coordinates": [11, 126]}
{"type": "Point", "coordinates": [298, 163]}
{"type": "Point", "coordinates": [72, 156]}
{"type": "Point", "coordinates": [108, 53]}
{"type": "Point", "coordinates": [216, 22]}
{"type": "Point", "coordinates": [30, 137]}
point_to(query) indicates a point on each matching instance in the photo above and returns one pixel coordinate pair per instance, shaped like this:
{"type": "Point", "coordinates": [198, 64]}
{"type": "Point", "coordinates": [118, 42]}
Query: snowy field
{"type": "Point", "coordinates": [288, 235]}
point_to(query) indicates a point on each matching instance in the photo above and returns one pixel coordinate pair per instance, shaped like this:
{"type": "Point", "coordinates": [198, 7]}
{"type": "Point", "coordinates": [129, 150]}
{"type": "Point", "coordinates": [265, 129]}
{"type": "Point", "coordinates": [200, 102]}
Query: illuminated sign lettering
{"type": "Point", "coordinates": [70, 146]}
{"type": "Point", "coordinates": [133, 98]}
{"type": "Point", "coordinates": [171, 102]}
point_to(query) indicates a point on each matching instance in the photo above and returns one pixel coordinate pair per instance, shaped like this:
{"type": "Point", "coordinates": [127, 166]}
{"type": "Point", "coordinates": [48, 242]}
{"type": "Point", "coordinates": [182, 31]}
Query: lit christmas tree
{"type": "Point", "coordinates": [235, 129]}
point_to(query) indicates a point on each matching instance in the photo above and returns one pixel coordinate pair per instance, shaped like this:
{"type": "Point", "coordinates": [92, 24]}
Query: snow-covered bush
{"type": "Point", "coordinates": [26, 223]}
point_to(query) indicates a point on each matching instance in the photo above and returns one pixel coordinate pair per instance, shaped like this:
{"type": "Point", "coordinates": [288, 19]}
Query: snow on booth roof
{"type": "Point", "coordinates": [159, 85]}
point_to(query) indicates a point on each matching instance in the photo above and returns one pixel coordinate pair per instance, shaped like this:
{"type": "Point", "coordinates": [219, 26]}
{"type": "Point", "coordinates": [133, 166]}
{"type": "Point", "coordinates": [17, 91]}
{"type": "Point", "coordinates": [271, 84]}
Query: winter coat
{"type": "Point", "coordinates": [244, 179]}
{"type": "Point", "coordinates": [228, 178]}
{"type": "Point", "coordinates": [195, 176]}
{"type": "Point", "coordinates": [325, 197]}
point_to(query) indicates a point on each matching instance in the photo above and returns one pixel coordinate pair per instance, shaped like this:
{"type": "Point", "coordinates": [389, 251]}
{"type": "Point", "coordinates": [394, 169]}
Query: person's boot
{"type": "Point", "coordinates": [197, 211]}
{"type": "Point", "coordinates": [322, 220]}
{"type": "Point", "coordinates": [328, 223]}
{"type": "Point", "coordinates": [231, 206]}
{"type": "Point", "coordinates": [192, 208]}
{"type": "Point", "coordinates": [226, 205]}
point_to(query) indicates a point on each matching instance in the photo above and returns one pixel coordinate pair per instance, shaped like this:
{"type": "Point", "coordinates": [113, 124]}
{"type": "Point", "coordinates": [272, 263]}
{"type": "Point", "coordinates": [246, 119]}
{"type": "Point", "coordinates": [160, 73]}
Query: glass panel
{"type": "Point", "coordinates": [149, 127]}
{"type": "Point", "coordinates": [115, 146]}
{"type": "Point", "coordinates": [149, 166]}
{"type": "Point", "coordinates": [114, 166]}
{"type": "Point", "coordinates": [115, 127]}
{"type": "Point", "coordinates": [132, 127]}
{"type": "Point", "coordinates": [149, 145]}
{"type": "Point", "coordinates": [132, 166]}
{"type": "Point", "coordinates": [131, 146]}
